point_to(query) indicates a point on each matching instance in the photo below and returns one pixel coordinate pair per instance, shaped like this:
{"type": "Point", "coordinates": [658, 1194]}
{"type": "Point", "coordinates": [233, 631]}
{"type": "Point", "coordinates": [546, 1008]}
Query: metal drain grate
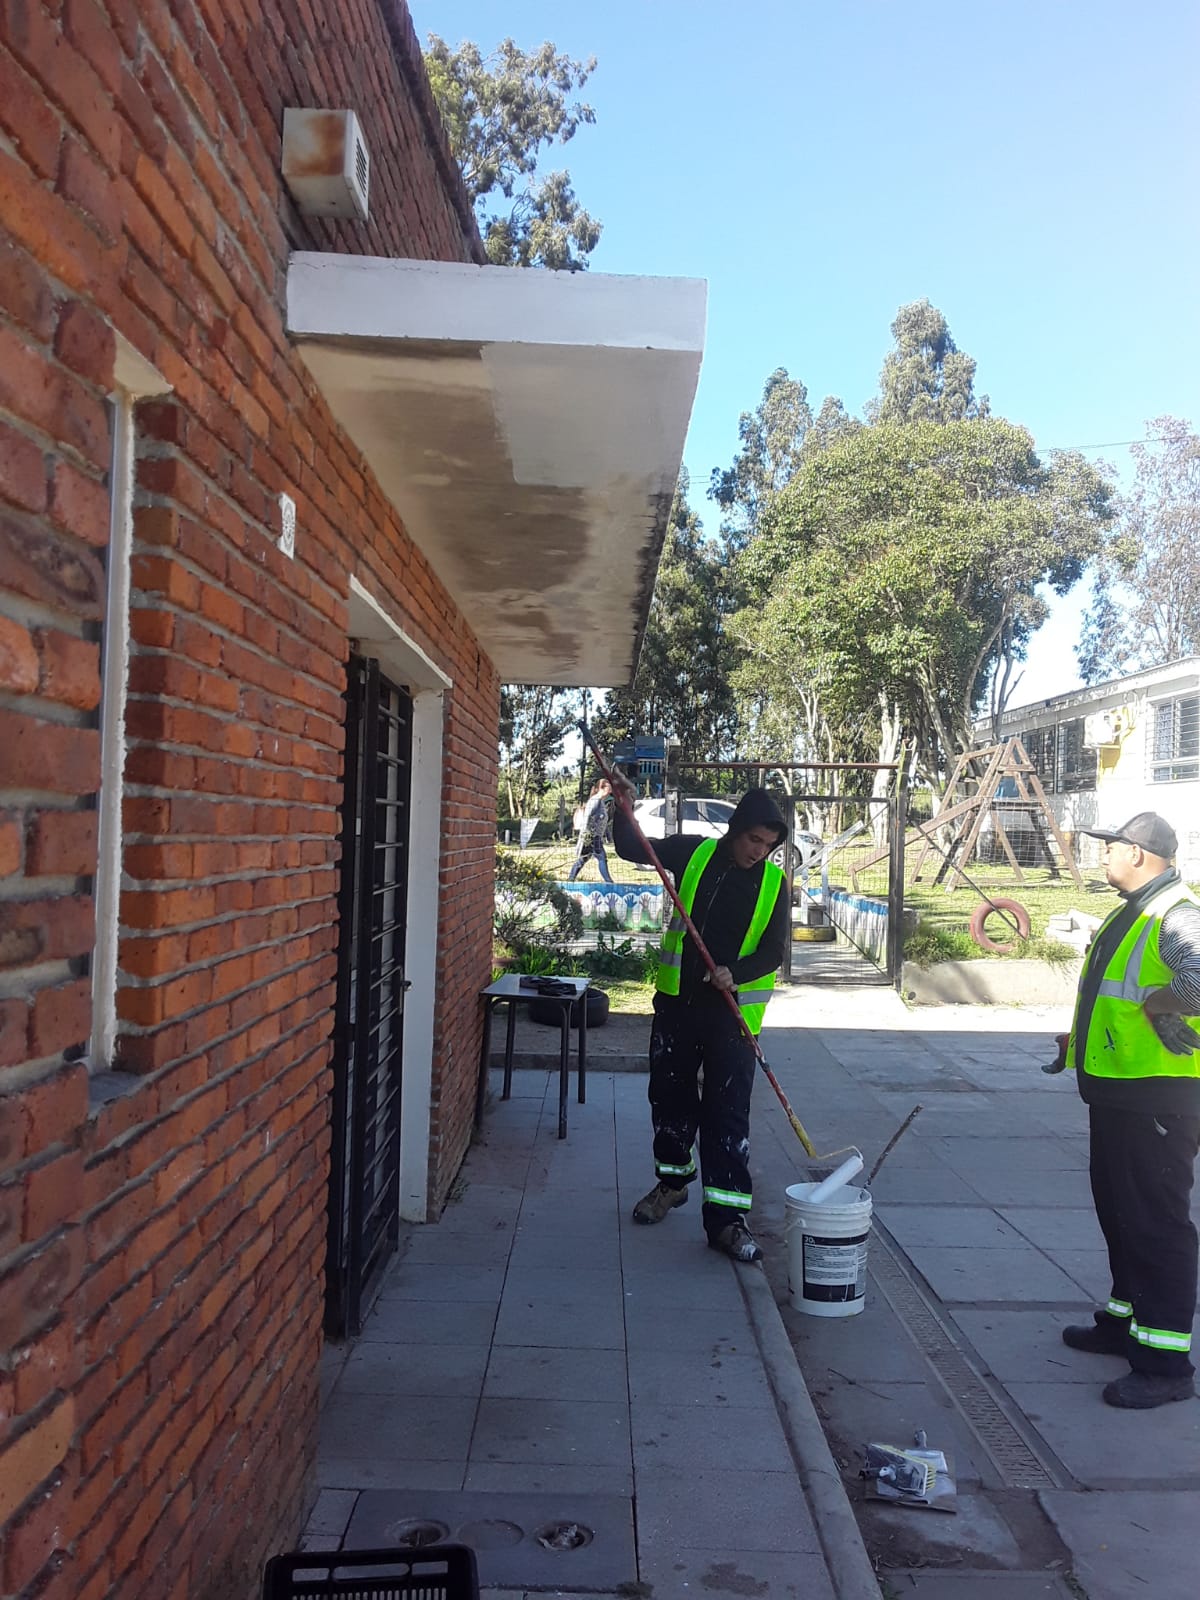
{"type": "Point", "coordinates": [1020, 1464]}
{"type": "Point", "coordinates": [557, 1542]}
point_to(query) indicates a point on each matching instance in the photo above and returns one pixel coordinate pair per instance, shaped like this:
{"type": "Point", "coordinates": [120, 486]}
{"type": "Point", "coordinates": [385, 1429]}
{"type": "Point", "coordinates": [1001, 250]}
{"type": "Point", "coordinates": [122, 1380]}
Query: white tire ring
{"type": "Point", "coordinates": [984, 910]}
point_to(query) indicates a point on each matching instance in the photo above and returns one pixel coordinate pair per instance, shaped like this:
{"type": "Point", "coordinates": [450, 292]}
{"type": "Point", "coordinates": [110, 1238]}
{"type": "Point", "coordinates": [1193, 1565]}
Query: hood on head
{"type": "Point", "coordinates": [756, 809]}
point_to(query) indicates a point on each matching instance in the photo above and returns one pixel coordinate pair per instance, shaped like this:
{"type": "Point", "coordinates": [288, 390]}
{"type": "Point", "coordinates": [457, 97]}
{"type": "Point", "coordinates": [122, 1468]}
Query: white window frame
{"type": "Point", "coordinates": [1155, 762]}
{"type": "Point", "coordinates": [134, 379]}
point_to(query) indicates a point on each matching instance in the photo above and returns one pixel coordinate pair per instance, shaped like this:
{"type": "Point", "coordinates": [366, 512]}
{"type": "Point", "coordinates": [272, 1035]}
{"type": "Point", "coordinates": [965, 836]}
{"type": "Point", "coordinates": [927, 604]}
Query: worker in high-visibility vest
{"type": "Point", "coordinates": [1135, 1049]}
{"type": "Point", "coordinates": [738, 901]}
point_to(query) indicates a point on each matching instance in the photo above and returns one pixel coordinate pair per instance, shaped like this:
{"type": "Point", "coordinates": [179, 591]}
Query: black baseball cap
{"type": "Point", "coordinates": [1147, 829]}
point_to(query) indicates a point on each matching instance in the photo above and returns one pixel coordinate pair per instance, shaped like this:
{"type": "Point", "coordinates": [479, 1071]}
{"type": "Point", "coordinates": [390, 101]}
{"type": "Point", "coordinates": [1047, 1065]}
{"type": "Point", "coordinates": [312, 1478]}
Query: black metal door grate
{"type": "Point", "coordinates": [368, 1035]}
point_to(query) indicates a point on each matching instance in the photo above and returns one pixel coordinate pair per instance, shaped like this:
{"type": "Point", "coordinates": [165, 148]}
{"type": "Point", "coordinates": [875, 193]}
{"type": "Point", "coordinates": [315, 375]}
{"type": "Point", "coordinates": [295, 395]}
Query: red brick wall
{"type": "Point", "coordinates": [161, 1252]}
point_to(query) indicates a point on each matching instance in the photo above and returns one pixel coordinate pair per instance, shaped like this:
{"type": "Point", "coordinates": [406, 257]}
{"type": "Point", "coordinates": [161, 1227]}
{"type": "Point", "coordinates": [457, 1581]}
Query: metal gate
{"type": "Point", "coordinates": [847, 888]}
{"type": "Point", "coordinates": [845, 860]}
{"type": "Point", "coordinates": [364, 1176]}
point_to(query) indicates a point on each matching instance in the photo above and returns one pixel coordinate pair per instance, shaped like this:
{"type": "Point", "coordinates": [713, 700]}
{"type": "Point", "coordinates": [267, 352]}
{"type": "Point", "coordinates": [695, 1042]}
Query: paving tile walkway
{"type": "Point", "coordinates": [536, 1341]}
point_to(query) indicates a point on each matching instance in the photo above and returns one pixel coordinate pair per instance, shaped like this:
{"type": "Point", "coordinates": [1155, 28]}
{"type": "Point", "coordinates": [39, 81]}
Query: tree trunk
{"type": "Point", "coordinates": [889, 745]}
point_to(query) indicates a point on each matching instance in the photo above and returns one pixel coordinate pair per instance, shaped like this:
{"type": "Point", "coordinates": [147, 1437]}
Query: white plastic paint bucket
{"type": "Point", "coordinates": [827, 1250]}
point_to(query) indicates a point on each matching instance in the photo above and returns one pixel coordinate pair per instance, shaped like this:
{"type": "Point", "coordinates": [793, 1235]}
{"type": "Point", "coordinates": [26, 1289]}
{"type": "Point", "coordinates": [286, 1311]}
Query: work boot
{"type": "Point", "coordinates": [1142, 1391]}
{"type": "Point", "coordinates": [1107, 1338]}
{"type": "Point", "coordinates": [654, 1206]}
{"type": "Point", "coordinates": [736, 1240]}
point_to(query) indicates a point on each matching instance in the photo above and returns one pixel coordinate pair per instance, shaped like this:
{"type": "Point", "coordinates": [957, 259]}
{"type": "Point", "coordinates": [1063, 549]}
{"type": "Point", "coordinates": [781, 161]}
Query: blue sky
{"type": "Point", "coordinates": [1030, 167]}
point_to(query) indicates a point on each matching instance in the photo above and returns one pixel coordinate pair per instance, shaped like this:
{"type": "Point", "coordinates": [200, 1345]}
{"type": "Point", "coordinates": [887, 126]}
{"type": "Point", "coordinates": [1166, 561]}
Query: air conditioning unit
{"type": "Point", "coordinates": [326, 165]}
{"type": "Point", "coordinates": [1101, 729]}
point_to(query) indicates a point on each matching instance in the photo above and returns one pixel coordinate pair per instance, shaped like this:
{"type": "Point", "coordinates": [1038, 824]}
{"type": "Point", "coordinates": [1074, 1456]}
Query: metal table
{"type": "Point", "coordinates": [508, 991]}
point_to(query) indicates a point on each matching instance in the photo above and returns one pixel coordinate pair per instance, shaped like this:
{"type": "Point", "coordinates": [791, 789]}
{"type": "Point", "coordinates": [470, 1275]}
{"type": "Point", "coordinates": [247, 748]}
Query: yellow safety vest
{"type": "Point", "coordinates": [752, 997]}
{"type": "Point", "coordinates": [1121, 1041]}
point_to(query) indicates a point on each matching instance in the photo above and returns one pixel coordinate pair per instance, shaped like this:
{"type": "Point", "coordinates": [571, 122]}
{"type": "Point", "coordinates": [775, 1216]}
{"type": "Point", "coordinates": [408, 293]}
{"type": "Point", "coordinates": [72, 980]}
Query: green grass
{"type": "Point", "coordinates": [630, 998]}
{"type": "Point", "coordinates": [1040, 894]}
{"type": "Point", "coordinates": [943, 933]}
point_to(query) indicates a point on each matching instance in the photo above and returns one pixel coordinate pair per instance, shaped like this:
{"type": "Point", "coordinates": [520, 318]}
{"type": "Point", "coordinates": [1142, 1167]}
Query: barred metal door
{"type": "Point", "coordinates": [364, 1199]}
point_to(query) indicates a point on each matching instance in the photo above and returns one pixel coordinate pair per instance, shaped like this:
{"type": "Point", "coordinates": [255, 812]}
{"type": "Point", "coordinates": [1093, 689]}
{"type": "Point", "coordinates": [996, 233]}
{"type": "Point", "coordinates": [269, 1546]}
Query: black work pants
{"type": "Point", "coordinates": [701, 1079]}
{"type": "Point", "coordinates": [1142, 1170]}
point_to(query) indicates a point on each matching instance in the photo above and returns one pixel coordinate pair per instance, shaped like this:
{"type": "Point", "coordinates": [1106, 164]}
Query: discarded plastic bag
{"type": "Point", "coordinates": [917, 1477]}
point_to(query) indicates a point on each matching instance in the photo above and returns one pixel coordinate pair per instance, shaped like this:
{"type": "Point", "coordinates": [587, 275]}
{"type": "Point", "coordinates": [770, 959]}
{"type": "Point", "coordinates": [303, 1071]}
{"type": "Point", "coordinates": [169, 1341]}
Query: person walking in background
{"type": "Point", "coordinates": [737, 900]}
{"type": "Point", "coordinates": [1136, 1054]}
{"type": "Point", "coordinates": [592, 832]}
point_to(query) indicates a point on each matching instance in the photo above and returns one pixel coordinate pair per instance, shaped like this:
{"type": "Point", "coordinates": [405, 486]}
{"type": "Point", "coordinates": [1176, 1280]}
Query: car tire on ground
{"type": "Point", "coordinates": [987, 908]}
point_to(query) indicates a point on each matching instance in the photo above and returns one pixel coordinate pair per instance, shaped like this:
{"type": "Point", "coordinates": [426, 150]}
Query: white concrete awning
{"type": "Point", "coordinates": [528, 426]}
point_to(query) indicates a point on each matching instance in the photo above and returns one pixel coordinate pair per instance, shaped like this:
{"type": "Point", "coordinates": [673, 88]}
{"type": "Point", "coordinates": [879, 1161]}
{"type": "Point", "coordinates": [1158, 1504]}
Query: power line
{"type": "Point", "coordinates": [1115, 444]}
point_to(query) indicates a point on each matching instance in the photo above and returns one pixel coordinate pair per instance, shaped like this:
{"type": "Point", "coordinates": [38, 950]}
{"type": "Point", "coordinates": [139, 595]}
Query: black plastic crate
{"type": "Point", "coordinates": [429, 1572]}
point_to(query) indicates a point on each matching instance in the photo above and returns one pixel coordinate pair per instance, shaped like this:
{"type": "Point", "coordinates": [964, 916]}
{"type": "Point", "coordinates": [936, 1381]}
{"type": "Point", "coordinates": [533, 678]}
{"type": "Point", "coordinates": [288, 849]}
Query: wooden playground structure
{"type": "Point", "coordinates": [972, 795]}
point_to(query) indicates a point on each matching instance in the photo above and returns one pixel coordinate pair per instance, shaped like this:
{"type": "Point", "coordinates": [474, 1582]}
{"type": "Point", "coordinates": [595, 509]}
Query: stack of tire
{"type": "Point", "coordinates": [550, 1012]}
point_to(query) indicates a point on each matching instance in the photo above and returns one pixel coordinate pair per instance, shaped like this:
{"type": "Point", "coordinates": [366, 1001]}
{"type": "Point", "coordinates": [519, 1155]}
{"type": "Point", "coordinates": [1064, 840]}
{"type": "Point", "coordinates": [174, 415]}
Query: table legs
{"type": "Point", "coordinates": [564, 1067]}
{"type": "Point", "coordinates": [583, 1048]}
{"type": "Point", "coordinates": [510, 1039]}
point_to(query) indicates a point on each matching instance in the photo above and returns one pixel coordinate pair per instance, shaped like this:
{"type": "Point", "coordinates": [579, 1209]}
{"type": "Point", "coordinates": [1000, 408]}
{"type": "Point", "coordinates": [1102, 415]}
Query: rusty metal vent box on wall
{"type": "Point", "coordinates": [326, 165]}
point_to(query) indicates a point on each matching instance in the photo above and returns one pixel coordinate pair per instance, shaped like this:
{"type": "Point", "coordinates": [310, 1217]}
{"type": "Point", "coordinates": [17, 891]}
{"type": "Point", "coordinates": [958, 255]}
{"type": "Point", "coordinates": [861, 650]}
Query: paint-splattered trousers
{"type": "Point", "coordinates": [701, 1079]}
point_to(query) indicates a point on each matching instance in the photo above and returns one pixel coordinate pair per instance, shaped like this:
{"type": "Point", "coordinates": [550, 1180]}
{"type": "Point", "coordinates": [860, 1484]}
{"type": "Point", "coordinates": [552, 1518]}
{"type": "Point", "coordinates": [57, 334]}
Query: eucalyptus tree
{"type": "Point", "coordinates": [926, 377]}
{"type": "Point", "coordinates": [1145, 603]}
{"type": "Point", "coordinates": [682, 684]}
{"type": "Point", "coordinates": [899, 570]}
{"type": "Point", "coordinates": [500, 110]}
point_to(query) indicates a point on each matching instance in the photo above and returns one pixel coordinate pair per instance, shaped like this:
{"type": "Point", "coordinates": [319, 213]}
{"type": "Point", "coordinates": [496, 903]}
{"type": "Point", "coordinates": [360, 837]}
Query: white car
{"type": "Point", "coordinates": [710, 818]}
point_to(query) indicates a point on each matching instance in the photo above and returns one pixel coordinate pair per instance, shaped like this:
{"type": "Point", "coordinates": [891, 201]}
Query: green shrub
{"type": "Point", "coordinates": [530, 909]}
{"type": "Point", "coordinates": [543, 961]}
{"type": "Point", "coordinates": [931, 943]}
{"type": "Point", "coordinates": [1037, 948]}
{"type": "Point", "coordinates": [611, 959]}
{"type": "Point", "coordinates": [928, 944]}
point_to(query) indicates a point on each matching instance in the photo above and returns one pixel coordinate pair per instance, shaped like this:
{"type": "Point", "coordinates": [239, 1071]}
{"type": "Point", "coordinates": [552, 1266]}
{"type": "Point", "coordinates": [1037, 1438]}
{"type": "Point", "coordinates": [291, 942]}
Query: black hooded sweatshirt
{"type": "Point", "coordinates": [725, 900]}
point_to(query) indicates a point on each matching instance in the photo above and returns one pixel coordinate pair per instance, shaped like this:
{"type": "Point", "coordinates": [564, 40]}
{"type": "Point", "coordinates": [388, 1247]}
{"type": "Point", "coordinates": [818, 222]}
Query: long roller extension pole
{"type": "Point", "coordinates": [623, 801]}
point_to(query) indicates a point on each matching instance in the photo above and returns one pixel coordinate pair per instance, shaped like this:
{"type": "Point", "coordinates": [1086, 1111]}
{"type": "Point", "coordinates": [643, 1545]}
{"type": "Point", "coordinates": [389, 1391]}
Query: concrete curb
{"type": "Point", "coordinates": [850, 1570]}
{"type": "Point", "coordinates": [991, 983]}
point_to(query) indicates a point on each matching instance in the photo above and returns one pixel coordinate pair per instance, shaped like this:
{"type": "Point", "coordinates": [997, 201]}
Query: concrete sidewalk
{"type": "Point", "coordinates": [538, 1362]}
{"type": "Point", "coordinates": [985, 1245]}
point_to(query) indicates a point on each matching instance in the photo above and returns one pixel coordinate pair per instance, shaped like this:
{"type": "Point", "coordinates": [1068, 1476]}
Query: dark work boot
{"type": "Point", "coordinates": [1102, 1338]}
{"type": "Point", "coordinates": [736, 1240]}
{"type": "Point", "coordinates": [1142, 1391]}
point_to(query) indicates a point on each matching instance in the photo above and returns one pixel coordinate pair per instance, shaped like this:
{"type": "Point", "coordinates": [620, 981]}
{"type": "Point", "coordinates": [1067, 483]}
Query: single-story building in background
{"type": "Point", "coordinates": [290, 482]}
{"type": "Point", "coordinates": [1113, 749]}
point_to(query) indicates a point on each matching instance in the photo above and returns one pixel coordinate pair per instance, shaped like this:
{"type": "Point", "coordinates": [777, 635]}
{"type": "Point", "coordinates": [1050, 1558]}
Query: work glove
{"type": "Point", "coordinates": [1059, 1063]}
{"type": "Point", "coordinates": [1179, 1038]}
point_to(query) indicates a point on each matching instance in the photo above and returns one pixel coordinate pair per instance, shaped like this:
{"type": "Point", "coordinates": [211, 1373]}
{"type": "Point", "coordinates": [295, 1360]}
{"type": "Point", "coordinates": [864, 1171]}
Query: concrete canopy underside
{"type": "Point", "coordinates": [528, 427]}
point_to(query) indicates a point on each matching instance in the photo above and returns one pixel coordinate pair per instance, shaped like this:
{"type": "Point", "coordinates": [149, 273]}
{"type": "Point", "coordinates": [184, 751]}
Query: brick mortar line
{"type": "Point", "coordinates": [174, 609]}
{"type": "Point", "coordinates": [154, 600]}
{"type": "Point", "coordinates": [154, 1080]}
{"type": "Point", "coordinates": [131, 981]}
{"type": "Point", "coordinates": [154, 449]}
{"type": "Point", "coordinates": [204, 135]}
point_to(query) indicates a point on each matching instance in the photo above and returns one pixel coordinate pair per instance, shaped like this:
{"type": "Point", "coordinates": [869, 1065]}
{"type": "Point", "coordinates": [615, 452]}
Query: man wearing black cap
{"type": "Point", "coordinates": [738, 902]}
{"type": "Point", "coordinates": [1136, 1051]}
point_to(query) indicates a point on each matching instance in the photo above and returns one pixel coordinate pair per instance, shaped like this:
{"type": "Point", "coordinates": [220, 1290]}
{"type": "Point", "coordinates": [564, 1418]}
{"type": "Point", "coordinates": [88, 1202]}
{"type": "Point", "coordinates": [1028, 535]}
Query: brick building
{"type": "Point", "coordinates": [283, 499]}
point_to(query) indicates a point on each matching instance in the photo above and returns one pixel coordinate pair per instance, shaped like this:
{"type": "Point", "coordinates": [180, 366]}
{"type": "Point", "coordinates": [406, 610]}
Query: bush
{"type": "Point", "coordinates": [544, 961]}
{"type": "Point", "coordinates": [928, 944]}
{"type": "Point", "coordinates": [530, 910]}
{"type": "Point", "coordinates": [626, 960]}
